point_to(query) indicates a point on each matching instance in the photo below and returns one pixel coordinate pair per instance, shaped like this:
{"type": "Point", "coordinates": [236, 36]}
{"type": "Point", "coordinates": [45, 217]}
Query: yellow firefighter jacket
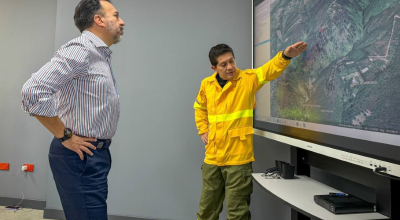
{"type": "Point", "coordinates": [227, 114]}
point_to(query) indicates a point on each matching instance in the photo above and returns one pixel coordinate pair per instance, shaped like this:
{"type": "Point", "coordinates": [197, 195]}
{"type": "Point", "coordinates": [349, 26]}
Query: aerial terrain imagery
{"type": "Point", "coordinates": [350, 74]}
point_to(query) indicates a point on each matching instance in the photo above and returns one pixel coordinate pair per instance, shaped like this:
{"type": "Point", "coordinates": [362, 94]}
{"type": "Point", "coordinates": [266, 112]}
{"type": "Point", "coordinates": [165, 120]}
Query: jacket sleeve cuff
{"type": "Point", "coordinates": [203, 132]}
{"type": "Point", "coordinates": [280, 61]}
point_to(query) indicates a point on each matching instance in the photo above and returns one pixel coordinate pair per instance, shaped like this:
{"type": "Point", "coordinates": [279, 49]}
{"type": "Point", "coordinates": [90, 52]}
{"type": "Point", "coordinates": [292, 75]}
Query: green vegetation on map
{"type": "Point", "coordinates": [350, 74]}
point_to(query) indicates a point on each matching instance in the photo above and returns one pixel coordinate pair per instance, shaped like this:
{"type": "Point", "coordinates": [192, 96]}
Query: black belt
{"type": "Point", "coordinates": [102, 143]}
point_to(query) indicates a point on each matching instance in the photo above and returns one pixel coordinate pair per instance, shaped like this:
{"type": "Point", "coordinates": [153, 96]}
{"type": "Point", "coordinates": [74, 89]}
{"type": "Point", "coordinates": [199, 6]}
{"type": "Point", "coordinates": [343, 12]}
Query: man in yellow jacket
{"type": "Point", "coordinates": [224, 118]}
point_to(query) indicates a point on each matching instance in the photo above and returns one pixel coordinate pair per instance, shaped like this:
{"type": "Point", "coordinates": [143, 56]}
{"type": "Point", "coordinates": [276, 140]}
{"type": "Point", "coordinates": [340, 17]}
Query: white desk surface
{"type": "Point", "coordinates": [299, 193]}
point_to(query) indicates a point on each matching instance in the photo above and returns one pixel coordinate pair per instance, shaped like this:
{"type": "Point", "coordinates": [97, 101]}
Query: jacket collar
{"type": "Point", "coordinates": [235, 78]}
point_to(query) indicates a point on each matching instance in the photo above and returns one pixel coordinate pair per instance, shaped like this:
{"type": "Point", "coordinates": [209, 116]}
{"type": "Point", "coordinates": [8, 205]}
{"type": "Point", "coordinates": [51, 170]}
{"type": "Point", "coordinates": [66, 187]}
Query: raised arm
{"type": "Point", "coordinates": [275, 67]}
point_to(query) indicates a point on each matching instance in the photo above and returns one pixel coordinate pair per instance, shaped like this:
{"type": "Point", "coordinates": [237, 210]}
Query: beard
{"type": "Point", "coordinates": [114, 31]}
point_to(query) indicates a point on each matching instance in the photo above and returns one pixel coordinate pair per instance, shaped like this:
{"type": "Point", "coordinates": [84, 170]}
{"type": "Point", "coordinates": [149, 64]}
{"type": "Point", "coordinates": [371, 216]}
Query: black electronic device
{"type": "Point", "coordinates": [344, 204]}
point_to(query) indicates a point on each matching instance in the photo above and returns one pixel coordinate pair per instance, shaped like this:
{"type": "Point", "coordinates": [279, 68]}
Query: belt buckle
{"type": "Point", "coordinates": [100, 145]}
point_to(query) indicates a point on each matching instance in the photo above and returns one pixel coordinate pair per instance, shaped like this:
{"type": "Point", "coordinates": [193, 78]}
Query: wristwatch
{"type": "Point", "coordinates": [67, 135]}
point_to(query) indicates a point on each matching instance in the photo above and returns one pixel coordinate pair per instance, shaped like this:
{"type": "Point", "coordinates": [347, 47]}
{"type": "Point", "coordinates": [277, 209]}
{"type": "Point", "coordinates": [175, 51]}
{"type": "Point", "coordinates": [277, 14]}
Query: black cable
{"type": "Point", "coordinates": [271, 169]}
{"type": "Point", "coordinates": [272, 172]}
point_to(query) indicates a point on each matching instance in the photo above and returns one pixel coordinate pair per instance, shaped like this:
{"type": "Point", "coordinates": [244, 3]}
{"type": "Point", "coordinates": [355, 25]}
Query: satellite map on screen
{"type": "Point", "coordinates": [350, 74]}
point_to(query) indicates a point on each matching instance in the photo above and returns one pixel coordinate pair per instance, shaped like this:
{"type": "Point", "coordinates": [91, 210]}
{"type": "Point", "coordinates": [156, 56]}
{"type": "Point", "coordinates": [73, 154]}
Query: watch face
{"type": "Point", "coordinates": [68, 133]}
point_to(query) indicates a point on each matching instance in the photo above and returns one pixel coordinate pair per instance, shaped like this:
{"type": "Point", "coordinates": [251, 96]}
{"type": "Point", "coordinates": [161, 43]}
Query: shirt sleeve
{"type": "Point", "coordinates": [267, 72]}
{"type": "Point", "coordinates": [37, 93]}
{"type": "Point", "coordinates": [200, 111]}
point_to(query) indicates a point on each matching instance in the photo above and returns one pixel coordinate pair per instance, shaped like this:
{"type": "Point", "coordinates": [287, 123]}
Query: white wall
{"type": "Point", "coordinates": [27, 33]}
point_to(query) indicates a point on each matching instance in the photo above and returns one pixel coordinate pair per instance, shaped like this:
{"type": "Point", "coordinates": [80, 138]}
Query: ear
{"type": "Point", "coordinates": [213, 68]}
{"type": "Point", "coordinates": [98, 20]}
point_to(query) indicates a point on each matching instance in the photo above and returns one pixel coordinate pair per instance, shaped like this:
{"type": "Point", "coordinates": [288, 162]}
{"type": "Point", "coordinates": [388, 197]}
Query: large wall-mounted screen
{"type": "Point", "coordinates": [344, 91]}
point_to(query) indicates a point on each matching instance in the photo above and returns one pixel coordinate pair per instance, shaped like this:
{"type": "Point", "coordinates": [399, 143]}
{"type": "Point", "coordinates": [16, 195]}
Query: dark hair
{"type": "Point", "coordinates": [84, 13]}
{"type": "Point", "coordinates": [217, 51]}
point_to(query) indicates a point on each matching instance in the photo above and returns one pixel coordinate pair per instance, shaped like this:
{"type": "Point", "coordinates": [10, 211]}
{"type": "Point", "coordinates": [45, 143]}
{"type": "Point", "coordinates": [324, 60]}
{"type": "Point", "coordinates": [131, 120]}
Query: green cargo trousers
{"type": "Point", "coordinates": [231, 182]}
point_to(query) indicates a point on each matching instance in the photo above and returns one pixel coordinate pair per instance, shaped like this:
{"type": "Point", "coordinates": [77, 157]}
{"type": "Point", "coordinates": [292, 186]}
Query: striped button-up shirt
{"type": "Point", "coordinates": [77, 85]}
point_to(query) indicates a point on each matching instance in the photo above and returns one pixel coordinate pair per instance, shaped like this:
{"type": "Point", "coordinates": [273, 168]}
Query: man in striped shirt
{"type": "Point", "coordinates": [75, 97]}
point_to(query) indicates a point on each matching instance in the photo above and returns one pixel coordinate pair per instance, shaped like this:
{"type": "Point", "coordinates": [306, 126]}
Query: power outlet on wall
{"type": "Point", "coordinates": [29, 167]}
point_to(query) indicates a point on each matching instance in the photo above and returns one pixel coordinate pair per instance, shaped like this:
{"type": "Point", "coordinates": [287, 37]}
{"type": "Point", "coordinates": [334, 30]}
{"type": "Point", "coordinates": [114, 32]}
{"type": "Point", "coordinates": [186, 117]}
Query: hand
{"type": "Point", "coordinates": [79, 144]}
{"type": "Point", "coordinates": [204, 138]}
{"type": "Point", "coordinates": [295, 49]}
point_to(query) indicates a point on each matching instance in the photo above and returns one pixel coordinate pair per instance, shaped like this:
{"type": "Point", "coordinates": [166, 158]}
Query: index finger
{"type": "Point", "coordinates": [203, 139]}
{"type": "Point", "coordinates": [298, 44]}
{"type": "Point", "coordinates": [89, 139]}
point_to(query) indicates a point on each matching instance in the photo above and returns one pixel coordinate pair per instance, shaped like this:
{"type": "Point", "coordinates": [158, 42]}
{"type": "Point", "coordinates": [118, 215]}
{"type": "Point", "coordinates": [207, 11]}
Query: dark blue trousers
{"type": "Point", "coordinates": [81, 184]}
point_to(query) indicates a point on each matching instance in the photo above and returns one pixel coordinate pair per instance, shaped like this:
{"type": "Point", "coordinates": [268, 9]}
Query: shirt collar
{"type": "Point", "coordinates": [97, 41]}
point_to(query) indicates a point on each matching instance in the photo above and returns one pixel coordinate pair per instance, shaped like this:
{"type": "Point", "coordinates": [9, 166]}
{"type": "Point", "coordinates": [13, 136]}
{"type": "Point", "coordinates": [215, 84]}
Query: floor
{"type": "Point", "coordinates": [24, 214]}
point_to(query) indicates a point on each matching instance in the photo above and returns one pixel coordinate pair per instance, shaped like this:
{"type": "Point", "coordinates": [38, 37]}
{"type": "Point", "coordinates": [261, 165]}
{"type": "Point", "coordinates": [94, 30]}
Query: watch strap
{"type": "Point", "coordinates": [284, 56]}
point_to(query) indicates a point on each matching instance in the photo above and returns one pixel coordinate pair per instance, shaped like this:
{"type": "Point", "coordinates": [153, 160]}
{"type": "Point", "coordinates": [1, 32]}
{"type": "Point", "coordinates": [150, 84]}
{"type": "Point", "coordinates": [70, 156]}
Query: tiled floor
{"type": "Point", "coordinates": [24, 214]}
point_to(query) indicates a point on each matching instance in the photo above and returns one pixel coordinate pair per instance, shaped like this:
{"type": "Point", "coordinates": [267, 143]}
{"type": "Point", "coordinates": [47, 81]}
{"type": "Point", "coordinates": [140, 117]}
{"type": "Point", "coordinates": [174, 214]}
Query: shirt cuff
{"type": "Point", "coordinates": [45, 108]}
